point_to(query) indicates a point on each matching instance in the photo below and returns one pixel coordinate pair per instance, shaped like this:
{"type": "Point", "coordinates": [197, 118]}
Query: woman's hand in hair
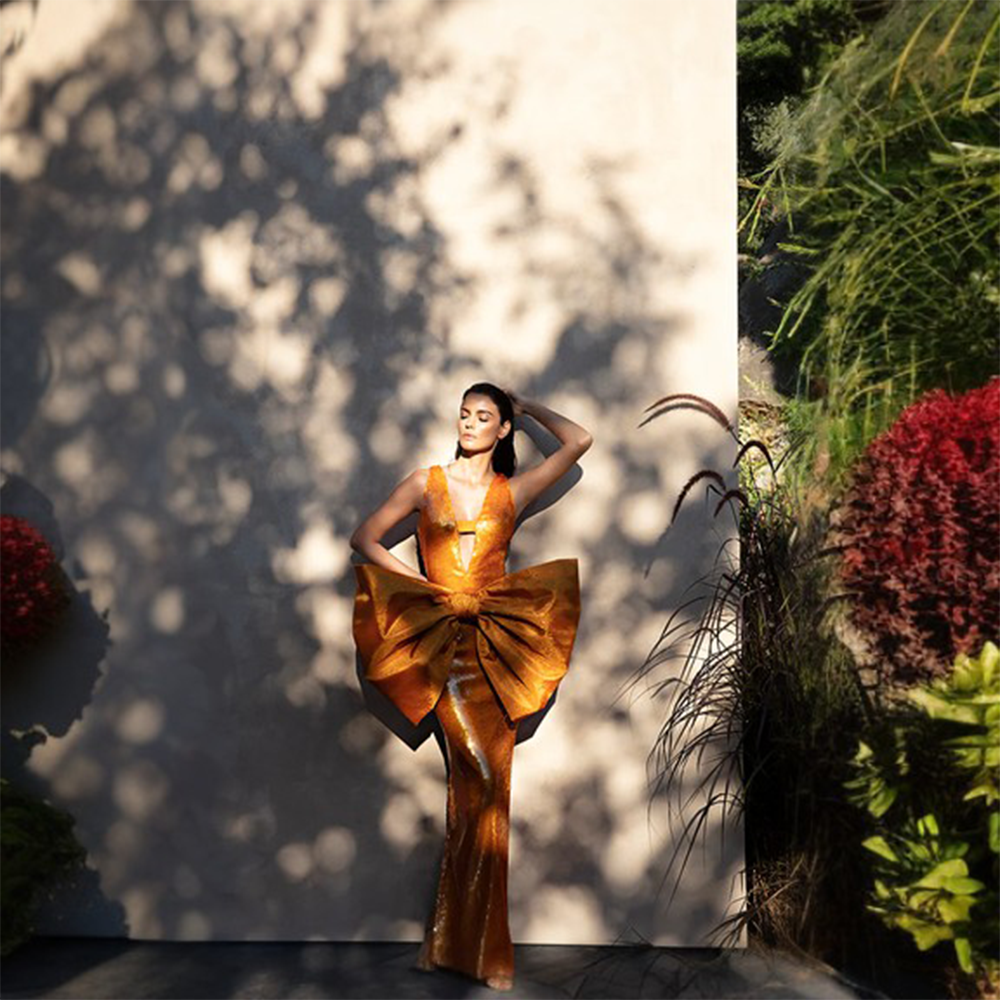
{"type": "Point", "coordinates": [515, 402]}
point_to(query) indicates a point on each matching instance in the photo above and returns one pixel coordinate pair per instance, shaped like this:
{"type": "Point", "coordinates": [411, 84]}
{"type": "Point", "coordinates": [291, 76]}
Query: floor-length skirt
{"type": "Point", "coordinates": [468, 930]}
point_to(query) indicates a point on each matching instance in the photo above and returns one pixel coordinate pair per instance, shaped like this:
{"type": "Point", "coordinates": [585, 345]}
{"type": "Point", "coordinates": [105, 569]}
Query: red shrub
{"type": "Point", "coordinates": [921, 530]}
{"type": "Point", "coordinates": [33, 588]}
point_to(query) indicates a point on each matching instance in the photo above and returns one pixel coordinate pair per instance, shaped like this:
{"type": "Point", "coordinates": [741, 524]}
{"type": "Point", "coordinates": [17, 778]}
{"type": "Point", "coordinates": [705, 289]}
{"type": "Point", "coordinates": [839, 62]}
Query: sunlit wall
{"type": "Point", "coordinates": [251, 254]}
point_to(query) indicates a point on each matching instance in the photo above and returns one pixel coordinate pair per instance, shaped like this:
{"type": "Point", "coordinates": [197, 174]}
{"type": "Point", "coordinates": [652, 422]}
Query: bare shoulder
{"type": "Point", "coordinates": [418, 477]}
{"type": "Point", "coordinates": [414, 486]}
{"type": "Point", "coordinates": [416, 480]}
{"type": "Point", "coordinates": [407, 496]}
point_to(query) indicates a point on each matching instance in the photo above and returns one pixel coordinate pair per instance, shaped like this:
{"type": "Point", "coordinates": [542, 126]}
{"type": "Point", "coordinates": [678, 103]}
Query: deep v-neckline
{"type": "Point", "coordinates": [456, 539]}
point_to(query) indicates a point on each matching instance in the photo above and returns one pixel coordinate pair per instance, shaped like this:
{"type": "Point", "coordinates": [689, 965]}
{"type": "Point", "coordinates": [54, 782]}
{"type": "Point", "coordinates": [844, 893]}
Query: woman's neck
{"type": "Point", "coordinates": [474, 469]}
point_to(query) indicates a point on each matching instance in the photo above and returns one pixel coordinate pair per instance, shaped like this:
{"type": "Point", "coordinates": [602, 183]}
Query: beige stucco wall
{"type": "Point", "coordinates": [251, 254]}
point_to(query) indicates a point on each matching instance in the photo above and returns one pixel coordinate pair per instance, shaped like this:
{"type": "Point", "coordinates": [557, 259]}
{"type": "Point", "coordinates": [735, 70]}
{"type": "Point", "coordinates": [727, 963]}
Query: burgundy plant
{"type": "Point", "coordinates": [33, 589]}
{"type": "Point", "coordinates": [921, 534]}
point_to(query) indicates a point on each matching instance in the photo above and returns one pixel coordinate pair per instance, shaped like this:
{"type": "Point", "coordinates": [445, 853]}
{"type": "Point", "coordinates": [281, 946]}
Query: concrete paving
{"type": "Point", "coordinates": [83, 968]}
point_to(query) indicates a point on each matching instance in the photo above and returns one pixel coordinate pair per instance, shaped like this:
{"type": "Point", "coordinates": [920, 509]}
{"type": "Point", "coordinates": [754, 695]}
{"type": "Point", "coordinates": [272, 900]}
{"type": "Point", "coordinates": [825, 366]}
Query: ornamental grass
{"type": "Point", "coordinates": [889, 175]}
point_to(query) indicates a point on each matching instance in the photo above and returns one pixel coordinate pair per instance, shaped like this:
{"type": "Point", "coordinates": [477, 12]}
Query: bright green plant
{"type": "Point", "coordinates": [889, 175]}
{"type": "Point", "coordinates": [38, 850]}
{"type": "Point", "coordinates": [927, 778]}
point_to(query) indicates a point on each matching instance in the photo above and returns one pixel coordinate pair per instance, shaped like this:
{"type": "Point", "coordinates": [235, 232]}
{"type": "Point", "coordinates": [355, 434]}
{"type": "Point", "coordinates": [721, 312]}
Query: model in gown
{"type": "Point", "coordinates": [478, 647]}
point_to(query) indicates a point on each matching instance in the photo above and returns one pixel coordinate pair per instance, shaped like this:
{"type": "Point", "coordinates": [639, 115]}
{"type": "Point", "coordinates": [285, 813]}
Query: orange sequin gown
{"type": "Point", "coordinates": [481, 649]}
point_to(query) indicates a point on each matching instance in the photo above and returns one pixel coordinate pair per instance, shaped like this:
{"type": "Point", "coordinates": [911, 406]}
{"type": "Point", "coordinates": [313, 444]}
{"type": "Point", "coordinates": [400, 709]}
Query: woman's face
{"type": "Point", "coordinates": [479, 424]}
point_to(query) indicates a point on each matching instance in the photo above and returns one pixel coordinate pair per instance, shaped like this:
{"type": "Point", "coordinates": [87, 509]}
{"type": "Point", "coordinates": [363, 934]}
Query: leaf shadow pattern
{"type": "Point", "coordinates": [175, 440]}
{"type": "Point", "coordinates": [220, 300]}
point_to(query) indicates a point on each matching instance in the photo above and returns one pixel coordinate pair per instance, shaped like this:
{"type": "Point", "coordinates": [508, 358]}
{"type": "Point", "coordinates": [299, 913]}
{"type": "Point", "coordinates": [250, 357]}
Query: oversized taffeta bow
{"type": "Point", "coordinates": [525, 623]}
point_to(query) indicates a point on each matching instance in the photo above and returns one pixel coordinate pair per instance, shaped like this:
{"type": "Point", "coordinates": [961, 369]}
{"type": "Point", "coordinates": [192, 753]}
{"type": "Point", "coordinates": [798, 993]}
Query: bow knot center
{"type": "Point", "coordinates": [465, 606]}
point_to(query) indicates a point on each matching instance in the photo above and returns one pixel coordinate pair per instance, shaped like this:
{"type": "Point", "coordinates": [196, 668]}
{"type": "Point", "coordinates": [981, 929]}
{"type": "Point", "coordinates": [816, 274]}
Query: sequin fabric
{"type": "Point", "coordinates": [481, 649]}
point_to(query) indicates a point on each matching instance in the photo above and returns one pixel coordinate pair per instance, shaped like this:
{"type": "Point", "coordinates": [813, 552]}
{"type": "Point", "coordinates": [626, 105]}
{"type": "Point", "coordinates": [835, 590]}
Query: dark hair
{"type": "Point", "coordinates": [504, 459]}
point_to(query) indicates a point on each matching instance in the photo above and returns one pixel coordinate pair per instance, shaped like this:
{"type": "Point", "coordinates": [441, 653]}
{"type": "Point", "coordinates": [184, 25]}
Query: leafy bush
{"type": "Point", "coordinates": [920, 530]}
{"type": "Point", "coordinates": [927, 778]}
{"type": "Point", "coordinates": [38, 850]}
{"type": "Point", "coordinates": [780, 50]}
{"type": "Point", "coordinates": [889, 175]}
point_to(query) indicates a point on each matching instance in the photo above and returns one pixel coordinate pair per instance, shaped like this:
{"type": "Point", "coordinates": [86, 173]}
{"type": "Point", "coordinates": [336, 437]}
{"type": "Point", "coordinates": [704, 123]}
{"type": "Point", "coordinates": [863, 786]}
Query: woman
{"type": "Point", "coordinates": [479, 648]}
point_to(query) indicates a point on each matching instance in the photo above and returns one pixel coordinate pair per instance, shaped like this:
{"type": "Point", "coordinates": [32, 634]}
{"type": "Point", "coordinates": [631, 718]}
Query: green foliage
{"type": "Point", "coordinates": [889, 173]}
{"type": "Point", "coordinates": [38, 850]}
{"type": "Point", "coordinates": [782, 46]}
{"type": "Point", "coordinates": [927, 777]}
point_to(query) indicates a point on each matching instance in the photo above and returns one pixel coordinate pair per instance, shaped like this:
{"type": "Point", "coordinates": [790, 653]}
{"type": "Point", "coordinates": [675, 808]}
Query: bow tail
{"type": "Point", "coordinates": [524, 667]}
{"type": "Point", "coordinates": [405, 638]}
{"type": "Point", "coordinates": [526, 634]}
{"type": "Point", "coordinates": [413, 673]}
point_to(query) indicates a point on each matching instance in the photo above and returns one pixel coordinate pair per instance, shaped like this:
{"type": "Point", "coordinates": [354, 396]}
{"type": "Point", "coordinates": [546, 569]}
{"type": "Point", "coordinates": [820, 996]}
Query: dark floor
{"type": "Point", "coordinates": [83, 968]}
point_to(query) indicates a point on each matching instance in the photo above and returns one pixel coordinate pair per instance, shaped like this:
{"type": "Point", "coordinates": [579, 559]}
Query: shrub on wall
{"type": "Point", "coordinates": [920, 533]}
{"type": "Point", "coordinates": [33, 589]}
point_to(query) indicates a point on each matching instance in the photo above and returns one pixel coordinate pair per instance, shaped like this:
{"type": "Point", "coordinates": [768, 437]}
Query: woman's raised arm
{"type": "Point", "coordinates": [574, 440]}
{"type": "Point", "coordinates": [403, 501]}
